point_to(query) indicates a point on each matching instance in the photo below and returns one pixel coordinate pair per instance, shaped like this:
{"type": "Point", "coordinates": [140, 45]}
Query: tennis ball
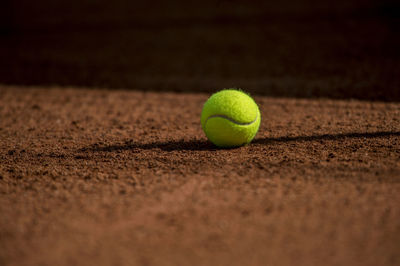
{"type": "Point", "coordinates": [230, 118]}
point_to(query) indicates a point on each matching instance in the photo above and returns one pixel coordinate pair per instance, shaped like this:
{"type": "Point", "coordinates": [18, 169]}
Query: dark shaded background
{"type": "Point", "coordinates": [339, 49]}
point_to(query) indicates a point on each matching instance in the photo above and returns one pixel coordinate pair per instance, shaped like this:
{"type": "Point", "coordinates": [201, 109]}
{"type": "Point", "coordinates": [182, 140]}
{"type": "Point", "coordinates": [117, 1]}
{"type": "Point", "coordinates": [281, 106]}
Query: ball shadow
{"type": "Point", "coordinates": [333, 137]}
{"type": "Point", "coordinates": [181, 145]}
{"type": "Point", "coordinates": [203, 145]}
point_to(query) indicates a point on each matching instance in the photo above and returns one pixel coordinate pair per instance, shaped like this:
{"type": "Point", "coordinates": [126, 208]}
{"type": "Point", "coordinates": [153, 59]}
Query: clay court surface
{"type": "Point", "coordinates": [102, 156]}
{"type": "Point", "coordinates": [115, 177]}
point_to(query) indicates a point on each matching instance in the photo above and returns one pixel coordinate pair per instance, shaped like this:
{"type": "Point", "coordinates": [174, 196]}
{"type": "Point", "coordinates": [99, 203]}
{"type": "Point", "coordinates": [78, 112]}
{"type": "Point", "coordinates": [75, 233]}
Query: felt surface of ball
{"type": "Point", "coordinates": [230, 118]}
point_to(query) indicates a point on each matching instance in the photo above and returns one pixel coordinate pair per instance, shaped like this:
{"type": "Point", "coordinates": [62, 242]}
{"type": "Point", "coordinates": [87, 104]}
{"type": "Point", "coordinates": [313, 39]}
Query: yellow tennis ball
{"type": "Point", "coordinates": [230, 118]}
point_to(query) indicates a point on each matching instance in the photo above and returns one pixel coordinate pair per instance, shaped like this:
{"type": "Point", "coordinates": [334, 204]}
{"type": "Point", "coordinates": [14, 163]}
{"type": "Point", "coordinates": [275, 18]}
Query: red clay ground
{"type": "Point", "coordinates": [95, 177]}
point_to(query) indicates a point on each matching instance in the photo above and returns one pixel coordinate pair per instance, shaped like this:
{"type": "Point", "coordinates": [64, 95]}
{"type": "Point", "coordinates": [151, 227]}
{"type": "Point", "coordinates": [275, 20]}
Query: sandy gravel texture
{"type": "Point", "coordinates": [97, 177]}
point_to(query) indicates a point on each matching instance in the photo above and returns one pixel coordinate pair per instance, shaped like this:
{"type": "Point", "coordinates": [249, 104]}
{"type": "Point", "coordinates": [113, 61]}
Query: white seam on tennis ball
{"type": "Point", "coordinates": [231, 120]}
